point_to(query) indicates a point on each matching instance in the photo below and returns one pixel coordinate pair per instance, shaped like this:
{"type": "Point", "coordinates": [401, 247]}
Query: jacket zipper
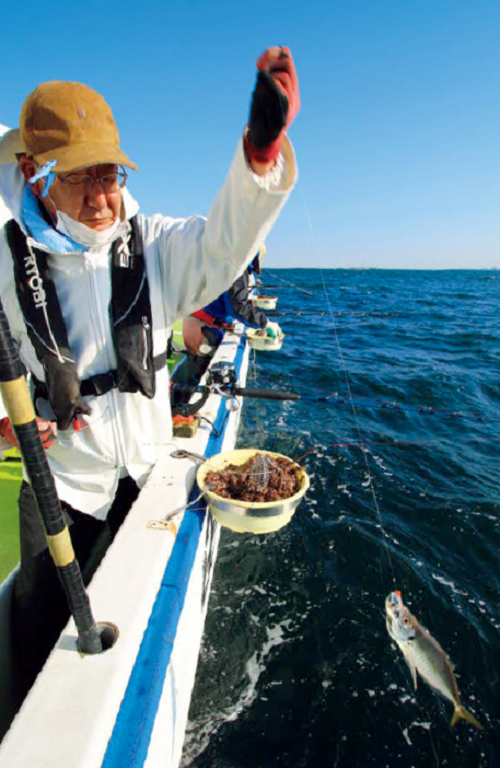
{"type": "Point", "coordinates": [145, 328]}
{"type": "Point", "coordinates": [101, 336]}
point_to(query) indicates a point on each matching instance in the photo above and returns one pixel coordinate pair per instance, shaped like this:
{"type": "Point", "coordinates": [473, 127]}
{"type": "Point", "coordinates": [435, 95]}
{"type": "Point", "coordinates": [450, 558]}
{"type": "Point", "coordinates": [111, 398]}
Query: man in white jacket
{"type": "Point", "coordinates": [91, 288]}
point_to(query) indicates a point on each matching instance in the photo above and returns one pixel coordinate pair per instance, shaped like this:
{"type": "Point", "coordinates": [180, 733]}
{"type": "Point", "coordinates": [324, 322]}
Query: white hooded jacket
{"type": "Point", "coordinates": [189, 262]}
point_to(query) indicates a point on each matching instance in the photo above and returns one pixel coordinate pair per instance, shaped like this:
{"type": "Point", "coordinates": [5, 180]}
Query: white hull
{"type": "Point", "coordinates": [129, 705]}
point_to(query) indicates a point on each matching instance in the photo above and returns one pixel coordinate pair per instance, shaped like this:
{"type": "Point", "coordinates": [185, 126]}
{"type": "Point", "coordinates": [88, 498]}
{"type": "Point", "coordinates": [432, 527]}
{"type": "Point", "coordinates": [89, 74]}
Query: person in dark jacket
{"type": "Point", "coordinates": [203, 330]}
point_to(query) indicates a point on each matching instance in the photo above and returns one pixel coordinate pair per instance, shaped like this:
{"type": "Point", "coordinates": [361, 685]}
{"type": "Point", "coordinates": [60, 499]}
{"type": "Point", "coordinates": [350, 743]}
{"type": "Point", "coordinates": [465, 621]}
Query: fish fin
{"type": "Point", "coordinates": [461, 713]}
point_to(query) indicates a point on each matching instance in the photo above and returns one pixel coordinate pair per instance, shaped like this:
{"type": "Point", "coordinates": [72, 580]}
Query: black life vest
{"type": "Point", "coordinates": [130, 314]}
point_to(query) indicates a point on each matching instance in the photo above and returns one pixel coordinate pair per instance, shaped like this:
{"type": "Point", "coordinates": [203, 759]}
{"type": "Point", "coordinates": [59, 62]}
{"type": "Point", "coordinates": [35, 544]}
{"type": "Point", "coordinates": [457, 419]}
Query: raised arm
{"type": "Point", "coordinates": [200, 258]}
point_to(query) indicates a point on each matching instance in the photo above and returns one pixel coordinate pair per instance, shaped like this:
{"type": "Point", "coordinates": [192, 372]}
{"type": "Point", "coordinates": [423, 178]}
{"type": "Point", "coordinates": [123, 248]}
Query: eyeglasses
{"type": "Point", "coordinates": [83, 182]}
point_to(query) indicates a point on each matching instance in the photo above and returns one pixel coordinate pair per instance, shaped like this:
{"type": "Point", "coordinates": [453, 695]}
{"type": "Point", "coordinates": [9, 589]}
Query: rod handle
{"type": "Point", "coordinates": [266, 394]}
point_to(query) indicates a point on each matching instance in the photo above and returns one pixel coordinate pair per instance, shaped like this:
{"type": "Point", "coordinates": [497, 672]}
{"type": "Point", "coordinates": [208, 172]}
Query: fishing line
{"type": "Point", "coordinates": [391, 444]}
{"type": "Point", "coordinates": [302, 290]}
{"type": "Point", "coordinates": [367, 465]}
{"type": "Point", "coordinates": [252, 364]}
{"type": "Point", "coordinates": [370, 477]}
{"type": "Point", "coordinates": [336, 399]}
{"type": "Point", "coordinates": [311, 313]}
{"type": "Point", "coordinates": [351, 399]}
{"type": "Point", "coordinates": [353, 406]}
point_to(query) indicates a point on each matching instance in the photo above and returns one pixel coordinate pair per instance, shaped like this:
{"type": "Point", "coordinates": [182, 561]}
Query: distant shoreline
{"type": "Point", "coordinates": [390, 269]}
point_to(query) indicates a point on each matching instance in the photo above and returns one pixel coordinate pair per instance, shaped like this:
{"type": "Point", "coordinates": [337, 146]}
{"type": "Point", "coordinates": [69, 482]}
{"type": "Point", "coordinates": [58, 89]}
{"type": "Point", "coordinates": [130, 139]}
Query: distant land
{"type": "Point", "coordinates": [391, 269]}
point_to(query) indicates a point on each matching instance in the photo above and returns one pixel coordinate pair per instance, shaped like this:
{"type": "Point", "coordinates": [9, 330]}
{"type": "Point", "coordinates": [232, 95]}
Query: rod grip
{"type": "Point", "coordinates": [19, 406]}
{"type": "Point", "coordinates": [266, 394]}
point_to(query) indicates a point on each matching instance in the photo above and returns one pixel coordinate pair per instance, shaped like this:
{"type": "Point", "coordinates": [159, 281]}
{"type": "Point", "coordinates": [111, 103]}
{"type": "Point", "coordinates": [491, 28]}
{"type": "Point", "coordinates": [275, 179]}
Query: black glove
{"type": "Point", "coordinates": [275, 102]}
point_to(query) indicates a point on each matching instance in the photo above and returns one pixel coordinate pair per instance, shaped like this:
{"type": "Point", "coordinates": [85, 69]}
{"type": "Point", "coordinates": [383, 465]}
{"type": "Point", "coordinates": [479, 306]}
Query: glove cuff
{"type": "Point", "coordinates": [7, 431]}
{"type": "Point", "coordinates": [264, 154]}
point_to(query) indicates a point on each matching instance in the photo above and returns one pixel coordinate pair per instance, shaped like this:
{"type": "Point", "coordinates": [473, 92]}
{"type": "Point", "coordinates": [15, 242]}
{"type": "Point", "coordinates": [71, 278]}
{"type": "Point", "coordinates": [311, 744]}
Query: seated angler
{"type": "Point", "coordinates": [204, 329]}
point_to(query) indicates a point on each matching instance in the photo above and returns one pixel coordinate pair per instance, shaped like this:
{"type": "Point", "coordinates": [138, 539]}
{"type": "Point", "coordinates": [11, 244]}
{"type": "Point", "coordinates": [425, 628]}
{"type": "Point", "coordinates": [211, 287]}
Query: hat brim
{"type": "Point", "coordinates": [79, 156]}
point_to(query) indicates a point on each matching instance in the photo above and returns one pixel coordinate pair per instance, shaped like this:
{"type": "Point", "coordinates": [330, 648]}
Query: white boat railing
{"type": "Point", "coordinates": [129, 705]}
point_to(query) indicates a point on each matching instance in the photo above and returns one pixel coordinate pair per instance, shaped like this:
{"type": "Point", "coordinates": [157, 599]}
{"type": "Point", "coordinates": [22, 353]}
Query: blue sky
{"type": "Point", "coordinates": [398, 139]}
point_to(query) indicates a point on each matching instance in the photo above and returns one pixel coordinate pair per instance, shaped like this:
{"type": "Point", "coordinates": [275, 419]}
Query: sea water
{"type": "Point", "coordinates": [296, 668]}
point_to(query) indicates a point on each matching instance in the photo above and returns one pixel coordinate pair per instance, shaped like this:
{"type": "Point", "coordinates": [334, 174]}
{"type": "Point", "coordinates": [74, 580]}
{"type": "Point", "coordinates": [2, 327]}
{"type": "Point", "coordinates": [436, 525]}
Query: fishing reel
{"type": "Point", "coordinates": [221, 378]}
{"type": "Point", "coordinates": [222, 375]}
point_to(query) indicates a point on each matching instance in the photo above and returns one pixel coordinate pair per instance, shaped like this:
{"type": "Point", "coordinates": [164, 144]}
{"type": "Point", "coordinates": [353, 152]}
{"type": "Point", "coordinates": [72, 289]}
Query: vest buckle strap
{"type": "Point", "coordinates": [99, 384]}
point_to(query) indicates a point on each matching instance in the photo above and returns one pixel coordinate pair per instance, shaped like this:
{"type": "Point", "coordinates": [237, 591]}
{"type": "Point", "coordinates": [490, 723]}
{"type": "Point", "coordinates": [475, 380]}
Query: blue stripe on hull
{"type": "Point", "coordinates": [129, 743]}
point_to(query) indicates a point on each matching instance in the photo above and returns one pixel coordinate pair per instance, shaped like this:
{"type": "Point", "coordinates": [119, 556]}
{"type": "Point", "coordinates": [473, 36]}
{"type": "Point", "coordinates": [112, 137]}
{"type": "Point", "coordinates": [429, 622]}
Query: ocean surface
{"type": "Point", "coordinates": [297, 669]}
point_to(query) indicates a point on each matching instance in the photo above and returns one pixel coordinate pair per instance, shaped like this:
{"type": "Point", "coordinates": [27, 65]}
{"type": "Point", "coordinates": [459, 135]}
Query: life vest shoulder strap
{"type": "Point", "coordinates": [131, 319]}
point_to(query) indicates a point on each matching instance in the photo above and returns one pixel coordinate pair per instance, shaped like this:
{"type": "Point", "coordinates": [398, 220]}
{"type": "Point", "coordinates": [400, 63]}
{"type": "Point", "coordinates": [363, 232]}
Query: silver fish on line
{"type": "Point", "coordinates": [424, 655]}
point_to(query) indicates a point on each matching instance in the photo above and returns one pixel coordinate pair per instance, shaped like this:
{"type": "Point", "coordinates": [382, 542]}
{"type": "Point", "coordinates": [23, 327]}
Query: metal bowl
{"type": "Point", "coordinates": [247, 516]}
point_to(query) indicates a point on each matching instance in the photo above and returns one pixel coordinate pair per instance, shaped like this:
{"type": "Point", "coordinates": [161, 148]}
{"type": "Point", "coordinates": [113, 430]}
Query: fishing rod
{"type": "Point", "coordinates": [92, 638]}
{"type": "Point", "coordinates": [297, 287]}
{"type": "Point", "coordinates": [336, 399]}
{"type": "Point", "coordinates": [306, 313]}
{"type": "Point", "coordinates": [222, 381]}
{"type": "Point", "coordinates": [393, 443]}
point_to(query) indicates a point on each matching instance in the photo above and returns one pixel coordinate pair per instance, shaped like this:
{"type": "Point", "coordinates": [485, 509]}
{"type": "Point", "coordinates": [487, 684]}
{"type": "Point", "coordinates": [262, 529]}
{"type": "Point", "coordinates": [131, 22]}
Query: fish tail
{"type": "Point", "coordinates": [461, 713]}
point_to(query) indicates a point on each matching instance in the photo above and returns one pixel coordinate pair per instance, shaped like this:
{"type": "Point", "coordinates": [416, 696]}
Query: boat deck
{"type": "Point", "coordinates": [11, 473]}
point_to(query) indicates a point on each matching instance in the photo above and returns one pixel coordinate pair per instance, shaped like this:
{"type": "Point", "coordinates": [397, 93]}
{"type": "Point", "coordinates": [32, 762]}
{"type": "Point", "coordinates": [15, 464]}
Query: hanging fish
{"type": "Point", "coordinates": [424, 655]}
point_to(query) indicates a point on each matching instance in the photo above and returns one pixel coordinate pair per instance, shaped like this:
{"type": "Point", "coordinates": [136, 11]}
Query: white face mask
{"type": "Point", "coordinates": [80, 233]}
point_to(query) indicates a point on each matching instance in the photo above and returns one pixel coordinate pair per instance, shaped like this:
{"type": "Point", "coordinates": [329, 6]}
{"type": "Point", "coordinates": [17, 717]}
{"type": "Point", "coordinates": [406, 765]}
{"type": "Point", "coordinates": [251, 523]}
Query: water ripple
{"type": "Point", "coordinates": [297, 668]}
